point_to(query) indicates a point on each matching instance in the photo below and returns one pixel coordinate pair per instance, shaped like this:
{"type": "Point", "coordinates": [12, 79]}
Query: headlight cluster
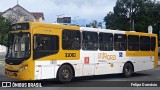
{"type": "Point", "coordinates": [23, 68]}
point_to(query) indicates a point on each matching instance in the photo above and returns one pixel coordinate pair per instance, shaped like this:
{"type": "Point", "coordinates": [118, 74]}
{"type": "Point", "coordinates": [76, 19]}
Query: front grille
{"type": "Point", "coordinates": [11, 70]}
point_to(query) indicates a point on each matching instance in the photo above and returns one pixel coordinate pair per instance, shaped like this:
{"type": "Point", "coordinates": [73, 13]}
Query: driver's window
{"type": "Point", "coordinates": [45, 45]}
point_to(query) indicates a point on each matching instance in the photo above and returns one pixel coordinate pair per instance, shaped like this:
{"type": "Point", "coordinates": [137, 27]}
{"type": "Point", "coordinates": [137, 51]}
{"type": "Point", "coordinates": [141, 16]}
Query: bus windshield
{"type": "Point", "coordinates": [19, 45]}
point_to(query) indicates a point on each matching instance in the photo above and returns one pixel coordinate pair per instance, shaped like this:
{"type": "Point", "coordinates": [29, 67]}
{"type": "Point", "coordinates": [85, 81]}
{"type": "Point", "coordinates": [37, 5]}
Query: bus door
{"type": "Point", "coordinates": [89, 51]}
{"type": "Point", "coordinates": [105, 53]}
{"type": "Point", "coordinates": [45, 45]}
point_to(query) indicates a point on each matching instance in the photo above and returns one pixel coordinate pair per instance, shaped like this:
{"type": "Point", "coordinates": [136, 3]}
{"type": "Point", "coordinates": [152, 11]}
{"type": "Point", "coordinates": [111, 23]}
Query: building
{"type": "Point", "coordinates": [19, 14]}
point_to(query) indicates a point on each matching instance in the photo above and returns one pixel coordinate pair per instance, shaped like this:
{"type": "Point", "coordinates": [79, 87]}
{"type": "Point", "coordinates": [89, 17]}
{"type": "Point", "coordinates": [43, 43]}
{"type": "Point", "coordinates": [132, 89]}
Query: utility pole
{"type": "Point", "coordinates": [131, 16]}
{"type": "Point", "coordinates": [17, 2]}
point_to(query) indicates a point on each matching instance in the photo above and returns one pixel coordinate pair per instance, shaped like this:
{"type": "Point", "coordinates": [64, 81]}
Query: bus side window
{"type": "Point", "coordinates": [120, 42]}
{"type": "Point", "coordinates": [133, 42]}
{"type": "Point", "coordinates": [71, 39]}
{"type": "Point", "coordinates": [45, 45]}
{"type": "Point", "coordinates": [36, 42]}
{"type": "Point", "coordinates": [145, 43]}
{"type": "Point", "coordinates": [39, 43]}
{"type": "Point", "coordinates": [90, 40]}
{"type": "Point", "coordinates": [105, 41]}
{"type": "Point", "coordinates": [153, 43]}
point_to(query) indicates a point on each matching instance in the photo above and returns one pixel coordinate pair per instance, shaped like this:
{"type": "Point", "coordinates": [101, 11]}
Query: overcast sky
{"type": "Point", "coordinates": [86, 10]}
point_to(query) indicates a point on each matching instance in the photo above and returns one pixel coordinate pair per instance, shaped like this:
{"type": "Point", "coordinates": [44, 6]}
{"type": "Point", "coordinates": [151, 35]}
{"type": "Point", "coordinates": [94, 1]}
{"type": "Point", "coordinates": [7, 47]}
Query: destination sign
{"type": "Point", "coordinates": [19, 26]}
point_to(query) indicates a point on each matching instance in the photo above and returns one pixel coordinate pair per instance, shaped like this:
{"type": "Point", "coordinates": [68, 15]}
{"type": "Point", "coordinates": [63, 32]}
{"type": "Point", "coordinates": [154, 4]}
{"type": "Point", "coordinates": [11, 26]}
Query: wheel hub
{"type": "Point", "coordinates": [127, 70]}
{"type": "Point", "coordinates": [65, 74]}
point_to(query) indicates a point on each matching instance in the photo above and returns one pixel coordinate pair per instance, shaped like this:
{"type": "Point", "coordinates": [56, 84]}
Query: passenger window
{"type": "Point", "coordinates": [71, 40]}
{"type": "Point", "coordinates": [133, 43]}
{"type": "Point", "coordinates": [120, 42]}
{"type": "Point", "coordinates": [145, 43]}
{"type": "Point", "coordinates": [105, 41]}
{"type": "Point", "coordinates": [90, 40]}
{"type": "Point", "coordinates": [153, 43]}
{"type": "Point", "coordinates": [45, 45]}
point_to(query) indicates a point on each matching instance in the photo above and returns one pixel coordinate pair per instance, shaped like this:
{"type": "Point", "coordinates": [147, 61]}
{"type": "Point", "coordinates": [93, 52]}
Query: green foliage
{"type": "Point", "coordinates": [4, 29]}
{"type": "Point", "coordinates": [144, 13]}
{"type": "Point", "coordinates": [95, 24]}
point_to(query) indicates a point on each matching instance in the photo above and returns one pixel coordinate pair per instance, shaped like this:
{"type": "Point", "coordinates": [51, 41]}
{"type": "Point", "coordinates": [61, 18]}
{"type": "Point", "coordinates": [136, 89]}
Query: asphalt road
{"type": "Point", "coordinates": [148, 75]}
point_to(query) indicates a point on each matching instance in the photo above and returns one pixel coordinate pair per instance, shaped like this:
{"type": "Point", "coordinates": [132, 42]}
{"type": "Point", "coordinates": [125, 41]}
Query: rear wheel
{"type": "Point", "coordinates": [127, 70]}
{"type": "Point", "coordinates": [65, 74]}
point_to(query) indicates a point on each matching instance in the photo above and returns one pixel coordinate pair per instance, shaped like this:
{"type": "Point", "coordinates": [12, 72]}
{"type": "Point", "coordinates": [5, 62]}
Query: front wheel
{"type": "Point", "coordinates": [65, 74]}
{"type": "Point", "coordinates": [127, 70]}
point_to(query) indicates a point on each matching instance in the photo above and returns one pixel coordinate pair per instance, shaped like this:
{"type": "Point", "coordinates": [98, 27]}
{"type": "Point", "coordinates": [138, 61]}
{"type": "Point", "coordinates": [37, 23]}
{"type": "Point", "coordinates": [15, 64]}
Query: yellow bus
{"type": "Point", "coordinates": [44, 51]}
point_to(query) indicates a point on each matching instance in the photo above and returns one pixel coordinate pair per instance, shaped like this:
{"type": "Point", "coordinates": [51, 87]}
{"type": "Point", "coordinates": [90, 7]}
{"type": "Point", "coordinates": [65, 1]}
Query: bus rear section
{"type": "Point", "coordinates": [142, 50]}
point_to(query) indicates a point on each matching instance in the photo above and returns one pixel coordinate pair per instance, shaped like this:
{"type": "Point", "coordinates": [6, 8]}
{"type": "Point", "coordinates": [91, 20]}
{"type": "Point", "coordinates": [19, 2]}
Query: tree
{"type": "Point", "coordinates": [143, 12]}
{"type": "Point", "coordinates": [4, 29]}
{"type": "Point", "coordinates": [95, 24]}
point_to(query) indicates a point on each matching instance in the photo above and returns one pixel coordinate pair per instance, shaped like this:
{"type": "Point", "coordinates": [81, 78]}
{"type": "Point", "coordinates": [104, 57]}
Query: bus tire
{"type": "Point", "coordinates": [127, 70]}
{"type": "Point", "coordinates": [65, 74]}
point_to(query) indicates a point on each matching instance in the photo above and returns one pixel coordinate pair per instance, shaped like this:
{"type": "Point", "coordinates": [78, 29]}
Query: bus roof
{"type": "Point", "coordinates": [76, 27]}
{"type": "Point", "coordinates": [55, 25]}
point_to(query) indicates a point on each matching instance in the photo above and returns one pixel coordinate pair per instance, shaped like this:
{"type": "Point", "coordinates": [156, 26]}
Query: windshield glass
{"type": "Point", "coordinates": [19, 45]}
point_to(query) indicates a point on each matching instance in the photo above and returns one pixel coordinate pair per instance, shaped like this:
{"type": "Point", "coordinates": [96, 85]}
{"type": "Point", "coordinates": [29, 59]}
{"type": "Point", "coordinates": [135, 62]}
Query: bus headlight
{"type": "Point", "coordinates": [23, 68]}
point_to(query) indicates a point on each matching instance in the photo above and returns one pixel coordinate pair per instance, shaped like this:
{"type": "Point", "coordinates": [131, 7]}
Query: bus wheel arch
{"type": "Point", "coordinates": [67, 68]}
{"type": "Point", "coordinates": [128, 69]}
